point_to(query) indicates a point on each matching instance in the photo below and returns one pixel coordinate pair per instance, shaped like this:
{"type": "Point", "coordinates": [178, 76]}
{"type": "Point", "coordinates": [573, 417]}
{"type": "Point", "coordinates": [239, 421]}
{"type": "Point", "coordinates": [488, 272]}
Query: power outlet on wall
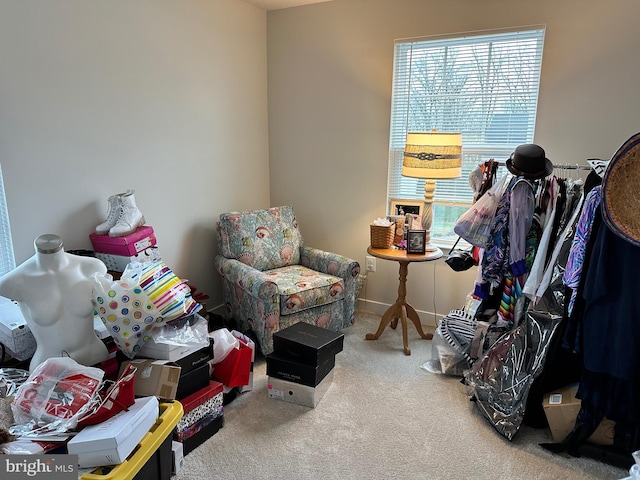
{"type": "Point", "coordinates": [371, 264]}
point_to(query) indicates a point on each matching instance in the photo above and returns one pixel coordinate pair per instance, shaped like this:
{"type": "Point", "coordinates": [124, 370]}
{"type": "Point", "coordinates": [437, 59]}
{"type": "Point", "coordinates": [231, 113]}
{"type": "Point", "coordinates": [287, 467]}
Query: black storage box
{"type": "Point", "coordinates": [193, 381]}
{"type": "Point", "coordinates": [285, 368]}
{"type": "Point", "coordinates": [203, 435]}
{"type": "Point", "coordinates": [158, 467]}
{"type": "Point", "coordinates": [195, 359]}
{"type": "Point", "coordinates": [308, 343]}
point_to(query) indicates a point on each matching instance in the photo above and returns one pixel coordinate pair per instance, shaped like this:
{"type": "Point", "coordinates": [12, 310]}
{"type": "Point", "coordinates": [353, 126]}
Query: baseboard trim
{"type": "Point", "coordinates": [378, 308]}
{"type": "Point", "coordinates": [368, 306]}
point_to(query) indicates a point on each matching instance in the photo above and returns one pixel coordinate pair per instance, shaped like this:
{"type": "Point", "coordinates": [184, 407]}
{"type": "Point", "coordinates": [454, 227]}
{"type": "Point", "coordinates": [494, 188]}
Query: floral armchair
{"type": "Point", "coordinates": [271, 280]}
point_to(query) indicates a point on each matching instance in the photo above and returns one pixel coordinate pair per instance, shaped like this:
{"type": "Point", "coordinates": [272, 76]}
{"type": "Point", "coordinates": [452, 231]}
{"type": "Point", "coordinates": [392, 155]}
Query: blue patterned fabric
{"type": "Point", "coordinates": [262, 239]}
{"type": "Point", "coordinates": [575, 261]}
{"type": "Point", "coordinates": [271, 280]}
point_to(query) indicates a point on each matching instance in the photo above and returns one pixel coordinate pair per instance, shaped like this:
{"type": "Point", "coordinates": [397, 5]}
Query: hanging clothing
{"type": "Point", "coordinates": [573, 208]}
{"type": "Point", "coordinates": [537, 270]}
{"type": "Point", "coordinates": [610, 386]}
{"type": "Point", "coordinates": [506, 246]}
{"type": "Point", "coordinates": [573, 270]}
{"type": "Point", "coordinates": [612, 296]}
{"type": "Point", "coordinates": [487, 174]}
{"type": "Point", "coordinates": [560, 218]}
{"type": "Point", "coordinates": [520, 218]}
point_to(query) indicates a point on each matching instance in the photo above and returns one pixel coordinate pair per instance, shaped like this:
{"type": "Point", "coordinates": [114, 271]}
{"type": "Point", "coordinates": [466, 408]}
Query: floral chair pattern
{"type": "Point", "coordinates": [271, 280]}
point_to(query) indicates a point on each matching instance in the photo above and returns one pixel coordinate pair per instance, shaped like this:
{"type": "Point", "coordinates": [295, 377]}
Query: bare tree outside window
{"type": "Point", "coordinates": [483, 86]}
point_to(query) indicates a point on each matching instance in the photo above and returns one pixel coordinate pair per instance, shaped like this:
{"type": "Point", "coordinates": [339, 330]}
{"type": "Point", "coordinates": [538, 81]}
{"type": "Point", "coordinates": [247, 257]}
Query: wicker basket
{"type": "Point", "coordinates": [382, 237]}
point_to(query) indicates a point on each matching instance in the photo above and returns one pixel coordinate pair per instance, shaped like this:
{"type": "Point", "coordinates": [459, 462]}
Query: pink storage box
{"type": "Point", "coordinates": [126, 246]}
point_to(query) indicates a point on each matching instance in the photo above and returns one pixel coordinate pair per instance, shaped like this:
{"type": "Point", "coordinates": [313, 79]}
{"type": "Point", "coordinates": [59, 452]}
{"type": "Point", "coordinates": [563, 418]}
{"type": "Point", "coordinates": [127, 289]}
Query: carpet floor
{"type": "Point", "coordinates": [383, 417]}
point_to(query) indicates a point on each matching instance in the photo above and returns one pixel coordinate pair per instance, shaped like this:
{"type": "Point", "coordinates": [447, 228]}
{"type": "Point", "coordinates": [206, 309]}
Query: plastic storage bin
{"type": "Point", "coordinates": [151, 460]}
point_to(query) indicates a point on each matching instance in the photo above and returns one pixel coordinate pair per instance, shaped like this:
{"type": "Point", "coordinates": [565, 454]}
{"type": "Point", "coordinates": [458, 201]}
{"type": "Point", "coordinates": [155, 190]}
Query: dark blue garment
{"type": "Point", "coordinates": [611, 341]}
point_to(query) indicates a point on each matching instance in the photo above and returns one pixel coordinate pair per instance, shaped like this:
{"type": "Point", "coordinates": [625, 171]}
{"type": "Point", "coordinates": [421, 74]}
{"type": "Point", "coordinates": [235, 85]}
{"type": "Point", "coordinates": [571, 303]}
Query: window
{"type": "Point", "coordinates": [483, 85]}
{"type": "Point", "coordinates": [7, 260]}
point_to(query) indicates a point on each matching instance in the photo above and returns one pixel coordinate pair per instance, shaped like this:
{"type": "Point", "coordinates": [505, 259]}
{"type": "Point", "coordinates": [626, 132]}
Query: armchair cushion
{"type": "Point", "coordinates": [262, 239]}
{"type": "Point", "coordinates": [300, 288]}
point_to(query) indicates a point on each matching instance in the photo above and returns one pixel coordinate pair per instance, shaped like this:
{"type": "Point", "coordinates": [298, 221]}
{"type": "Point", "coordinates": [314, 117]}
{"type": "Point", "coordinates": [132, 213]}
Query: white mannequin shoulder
{"type": "Point", "coordinates": [54, 292]}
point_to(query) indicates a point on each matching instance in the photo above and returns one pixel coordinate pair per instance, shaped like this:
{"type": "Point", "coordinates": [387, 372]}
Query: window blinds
{"type": "Point", "coordinates": [484, 86]}
{"type": "Point", "coordinates": [7, 260]}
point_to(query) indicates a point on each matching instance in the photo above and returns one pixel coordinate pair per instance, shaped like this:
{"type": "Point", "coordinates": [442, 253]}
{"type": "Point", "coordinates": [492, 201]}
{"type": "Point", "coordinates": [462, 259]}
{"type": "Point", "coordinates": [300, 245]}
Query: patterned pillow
{"type": "Point", "coordinates": [262, 239]}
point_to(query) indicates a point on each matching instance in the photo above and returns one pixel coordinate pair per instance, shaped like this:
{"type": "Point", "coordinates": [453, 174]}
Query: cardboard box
{"type": "Point", "coordinates": [129, 245]}
{"type": "Point", "coordinates": [296, 393]}
{"type": "Point", "coordinates": [112, 441]}
{"type": "Point", "coordinates": [15, 334]}
{"type": "Point", "coordinates": [561, 408]}
{"type": "Point", "coordinates": [604, 433]}
{"type": "Point", "coordinates": [308, 343]}
{"type": "Point", "coordinates": [285, 368]}
{"type": "Point", "coordinates": [157, 378]}
{"type": "Point", "coordinates": [118, 263]}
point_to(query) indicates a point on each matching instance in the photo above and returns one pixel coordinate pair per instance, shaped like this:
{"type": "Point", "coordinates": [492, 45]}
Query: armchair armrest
{"type": "Point", "coordinates": [249, 279]}
{"type": "Point", "coordinates": [339, 266]}
{"type": "Point", "coordinates": [330, 263]}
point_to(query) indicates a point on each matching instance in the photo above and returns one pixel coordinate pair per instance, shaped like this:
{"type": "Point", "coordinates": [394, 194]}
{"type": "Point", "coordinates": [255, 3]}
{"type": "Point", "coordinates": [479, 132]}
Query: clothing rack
{"type": "Point", "coordinates": [560, 166]}
{"type": "Point", "coordinates": [572, 167]}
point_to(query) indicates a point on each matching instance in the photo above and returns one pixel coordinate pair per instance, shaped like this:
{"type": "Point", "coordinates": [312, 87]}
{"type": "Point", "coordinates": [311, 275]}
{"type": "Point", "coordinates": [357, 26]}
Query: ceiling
{"type": "Point", "coordinates": [278, 4]}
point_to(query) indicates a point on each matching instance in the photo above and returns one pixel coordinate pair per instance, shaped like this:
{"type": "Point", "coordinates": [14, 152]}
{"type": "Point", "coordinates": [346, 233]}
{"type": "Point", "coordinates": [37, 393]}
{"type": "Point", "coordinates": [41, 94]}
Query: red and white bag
{"type": "Point", "coordinates": [56, 395]}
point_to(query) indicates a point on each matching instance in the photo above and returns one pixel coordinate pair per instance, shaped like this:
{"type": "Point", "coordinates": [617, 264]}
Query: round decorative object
{"type": "Point", "coordinates": [620, 200]}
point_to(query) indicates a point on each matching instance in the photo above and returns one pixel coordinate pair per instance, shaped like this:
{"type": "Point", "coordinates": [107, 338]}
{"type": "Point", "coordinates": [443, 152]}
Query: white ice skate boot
{"type": "Point", "coordinates": [130, 216]}
{"type": "Point", "coordinates": [112, 214]}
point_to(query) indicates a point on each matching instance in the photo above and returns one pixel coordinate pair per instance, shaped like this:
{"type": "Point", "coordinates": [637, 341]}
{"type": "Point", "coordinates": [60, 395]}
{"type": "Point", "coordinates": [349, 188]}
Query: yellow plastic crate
{"type": "Point", "coordinates": [170, 415]}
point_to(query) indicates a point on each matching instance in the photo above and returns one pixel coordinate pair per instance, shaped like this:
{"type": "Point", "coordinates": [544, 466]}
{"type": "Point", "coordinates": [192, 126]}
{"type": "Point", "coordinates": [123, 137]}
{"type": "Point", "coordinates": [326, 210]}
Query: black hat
{"type": "Point", "coordinates": [529, 161]}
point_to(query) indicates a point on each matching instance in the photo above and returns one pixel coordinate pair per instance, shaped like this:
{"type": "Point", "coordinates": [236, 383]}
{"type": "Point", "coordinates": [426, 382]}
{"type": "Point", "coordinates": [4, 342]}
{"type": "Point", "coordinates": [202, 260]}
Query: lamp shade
{"type": "Point", "coordinates": [432, 155]}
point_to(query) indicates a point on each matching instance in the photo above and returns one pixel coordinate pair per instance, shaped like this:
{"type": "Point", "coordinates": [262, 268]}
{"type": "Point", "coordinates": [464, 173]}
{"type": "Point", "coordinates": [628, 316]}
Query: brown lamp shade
{"type": "Point", "coordinates": [433, 155]}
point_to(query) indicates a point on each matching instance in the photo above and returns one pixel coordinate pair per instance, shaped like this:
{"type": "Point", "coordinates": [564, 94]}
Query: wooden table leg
{"type": "Point", "coordinates": [400, 310]}
{"type": "Point", "coordinates": [389, 315]}
{"type": "Point", "coordinates": [415, 318]}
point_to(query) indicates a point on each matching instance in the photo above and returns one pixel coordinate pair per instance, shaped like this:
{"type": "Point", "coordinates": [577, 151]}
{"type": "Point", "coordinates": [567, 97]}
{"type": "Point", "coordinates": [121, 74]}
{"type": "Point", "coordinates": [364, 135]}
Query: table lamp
{"type": "Point", "coordinates": [433, 156]}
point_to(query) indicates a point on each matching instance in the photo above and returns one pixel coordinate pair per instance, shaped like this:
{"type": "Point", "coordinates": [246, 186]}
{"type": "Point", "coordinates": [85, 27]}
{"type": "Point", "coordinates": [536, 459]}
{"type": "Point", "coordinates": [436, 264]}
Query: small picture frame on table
{"type": "Point", "coordinates": [416, 241]}
{"type": "Point", "coordinates": [398, 206]}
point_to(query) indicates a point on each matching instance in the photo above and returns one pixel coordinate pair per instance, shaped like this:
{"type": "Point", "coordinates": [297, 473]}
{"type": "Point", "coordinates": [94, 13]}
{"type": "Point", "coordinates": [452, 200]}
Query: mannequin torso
{"type": "Point", "coordinates": [54, 294]}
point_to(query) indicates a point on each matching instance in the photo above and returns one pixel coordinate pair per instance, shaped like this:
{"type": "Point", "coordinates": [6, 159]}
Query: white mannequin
{"type": "Point", "coordinates": [54, 292]}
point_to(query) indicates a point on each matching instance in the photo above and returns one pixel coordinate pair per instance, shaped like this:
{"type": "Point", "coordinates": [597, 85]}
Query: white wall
{"type": "Point", "coordinates": [330, 76]}
{"type": "Point", "coordinates": [168, 98]}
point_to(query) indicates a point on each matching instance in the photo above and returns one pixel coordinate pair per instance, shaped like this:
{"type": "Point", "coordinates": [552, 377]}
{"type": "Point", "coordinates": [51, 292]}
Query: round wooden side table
{"type": "Point", "coordinates": [401, 310]}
